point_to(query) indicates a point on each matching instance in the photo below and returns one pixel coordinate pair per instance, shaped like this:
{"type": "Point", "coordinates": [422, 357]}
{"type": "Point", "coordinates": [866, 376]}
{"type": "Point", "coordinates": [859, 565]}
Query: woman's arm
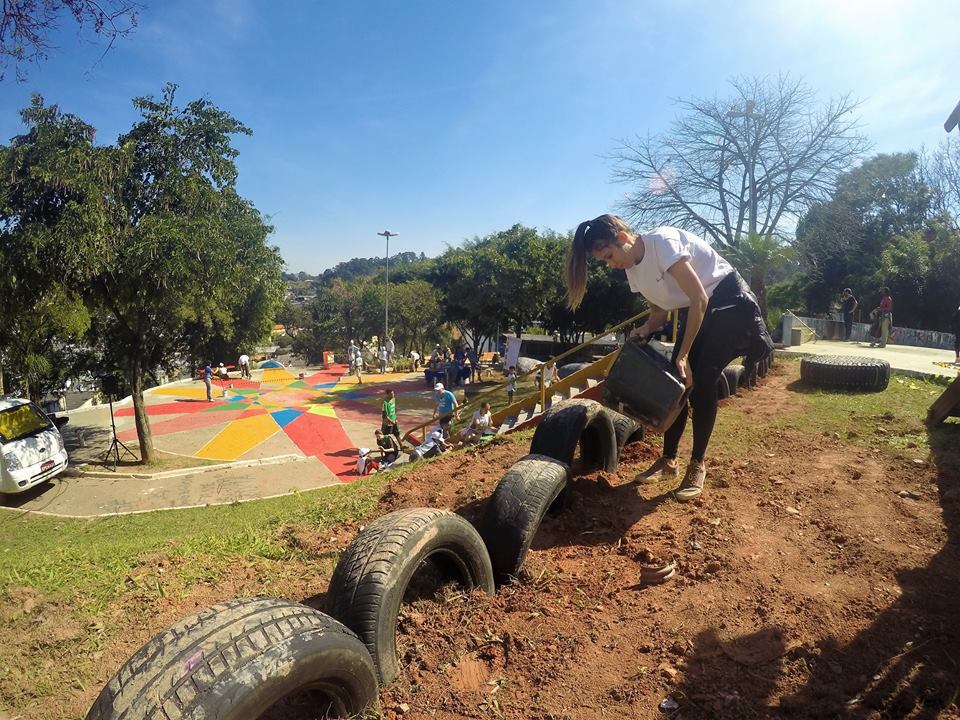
{"type": "Point", "coordinates": [688, 281]}
{"type": "Point", "coordinates": [655, 321]}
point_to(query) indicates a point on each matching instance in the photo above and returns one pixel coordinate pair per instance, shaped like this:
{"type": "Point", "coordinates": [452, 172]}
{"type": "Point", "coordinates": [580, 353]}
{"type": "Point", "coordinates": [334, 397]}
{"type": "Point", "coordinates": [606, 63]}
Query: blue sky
{"type": "Point", "coordinates": [444, 121]}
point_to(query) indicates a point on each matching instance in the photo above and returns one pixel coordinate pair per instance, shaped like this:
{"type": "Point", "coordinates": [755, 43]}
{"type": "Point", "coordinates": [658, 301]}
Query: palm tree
{"type": "Point", "coordinates": [754, 256]}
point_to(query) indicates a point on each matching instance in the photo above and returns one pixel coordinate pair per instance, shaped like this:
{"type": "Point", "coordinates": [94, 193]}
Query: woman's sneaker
{"type": "Point", "coordinates": [660, 470]}
{"type": "Point", "coordinates": [692, 486]}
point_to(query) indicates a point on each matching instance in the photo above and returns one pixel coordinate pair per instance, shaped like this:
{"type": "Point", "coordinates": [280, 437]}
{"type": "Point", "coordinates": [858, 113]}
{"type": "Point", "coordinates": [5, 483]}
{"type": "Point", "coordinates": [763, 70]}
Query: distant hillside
{"type": "Point", "coordinates": [365, 267]}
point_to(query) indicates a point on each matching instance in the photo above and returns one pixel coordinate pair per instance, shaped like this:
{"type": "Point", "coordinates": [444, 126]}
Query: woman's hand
{"type": "Point", "coordinates": [642, 333]}
{"type": "Point", "coordinates": [683, 370]}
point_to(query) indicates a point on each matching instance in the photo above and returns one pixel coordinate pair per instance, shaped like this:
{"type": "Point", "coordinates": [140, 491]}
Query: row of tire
{"type": "Point", "coordinates": [262, 657]}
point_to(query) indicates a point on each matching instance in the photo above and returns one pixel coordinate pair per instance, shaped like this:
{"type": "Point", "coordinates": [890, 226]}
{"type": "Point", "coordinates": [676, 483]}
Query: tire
{"type": "Point", "coordinates": [762, 367]}
{"type": "Point", "coordinates": [575, 422]}
{"type": "Point", "coordinates": [374, 573]}
{"type": "Point", "coordinates": [236, 660]}
{"type": "Point", "coordinates": [569, 369]}
{"type": "Point", "coordinates": [625, 429]}
{"type": "Point", "coordinates": [734, 376]}
{"type": "Point", "coordinates": [723, 390]}
{"type": "Point", "coordinates": [845, 373]}
{"type": "Point", "coordinates": [516, 508]}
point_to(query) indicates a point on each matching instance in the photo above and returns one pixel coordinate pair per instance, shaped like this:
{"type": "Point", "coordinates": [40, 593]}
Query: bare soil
{"type": "Point", "coordinates": [816, 579]}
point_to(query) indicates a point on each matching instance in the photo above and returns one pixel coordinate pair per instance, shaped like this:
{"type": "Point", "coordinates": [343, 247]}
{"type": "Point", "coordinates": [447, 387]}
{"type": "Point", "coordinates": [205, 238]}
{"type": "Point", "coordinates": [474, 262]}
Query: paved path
{"type": "Point", "coordinates": [916, 361]}
{"type": "Point", "coordinates": [279, 432]}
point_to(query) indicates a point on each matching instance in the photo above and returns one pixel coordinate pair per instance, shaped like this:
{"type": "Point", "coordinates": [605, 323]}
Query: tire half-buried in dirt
{"type": "Point", "coordinates": [575, 422]}
{"type": "Point", "coordinates": [517, 507]}
{"type": "Point", "coordinates": [840, 372]}
{"type": "Point", "coordinates": [625, 429]}
{"type": "Point", "coordinates": [734, 376]}
{"type": "Point", "coordinates": [237, 661]}
{"type": "Point", "coordinates": [375, 572]}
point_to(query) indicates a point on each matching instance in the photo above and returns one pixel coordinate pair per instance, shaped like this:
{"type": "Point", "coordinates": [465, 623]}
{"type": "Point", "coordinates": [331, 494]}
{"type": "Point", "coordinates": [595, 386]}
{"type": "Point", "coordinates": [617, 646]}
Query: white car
{"type": "Point", "coordinates": [31, 448]}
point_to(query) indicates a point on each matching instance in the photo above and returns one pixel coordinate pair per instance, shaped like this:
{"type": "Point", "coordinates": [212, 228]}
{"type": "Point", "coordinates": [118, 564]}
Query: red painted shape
{"type": "Point", "coordinates": [182, 407]}
{"type": "Point", "coordinates": [252, 412]}
{"type": "Point", "coordinates": [324, 438]}
{"type": "Point", "coordinates": [193, 421]}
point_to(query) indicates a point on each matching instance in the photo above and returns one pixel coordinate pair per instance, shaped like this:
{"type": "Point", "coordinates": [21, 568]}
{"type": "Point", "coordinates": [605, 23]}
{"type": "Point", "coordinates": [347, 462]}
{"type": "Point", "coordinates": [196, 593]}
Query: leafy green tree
{"type": "Point", "coordinates": [841, 242]}
{"type": "Point", "coordinates": [180, 251]}
{"type": "Point", "coordinates": [45, 184]}
{"type": "Point", "coordinates": [414, 314]}
{"type": "Point", "coordinates": [755, 257]}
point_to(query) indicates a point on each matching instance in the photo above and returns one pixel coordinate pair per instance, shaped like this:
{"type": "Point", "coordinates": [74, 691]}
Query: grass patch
{"type": "Point", "coordinates": [88, 561]}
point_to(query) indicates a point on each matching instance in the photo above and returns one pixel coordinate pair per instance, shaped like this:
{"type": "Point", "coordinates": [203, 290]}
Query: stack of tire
{"type": "Point", "coordinates": [243, 658]}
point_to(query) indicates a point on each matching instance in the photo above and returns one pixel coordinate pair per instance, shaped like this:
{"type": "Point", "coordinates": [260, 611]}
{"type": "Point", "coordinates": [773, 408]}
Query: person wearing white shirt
{"type": "Point", "coordinates": [383, 356]}
{"type": "Point", "coordinates": [676, 270]}
{"type": "Point", "coordinates": [244, 363]}
{"type": "Point", "coordinates": [479, 425]}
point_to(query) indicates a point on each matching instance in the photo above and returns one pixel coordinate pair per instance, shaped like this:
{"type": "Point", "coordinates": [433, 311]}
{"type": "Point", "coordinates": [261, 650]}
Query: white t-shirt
{"type": "Point", "coordinates": [665, 246]}
{"type": "Point", "coordinates": [481, 421]}
{"type": "Point", "coordinates": [244, 359]}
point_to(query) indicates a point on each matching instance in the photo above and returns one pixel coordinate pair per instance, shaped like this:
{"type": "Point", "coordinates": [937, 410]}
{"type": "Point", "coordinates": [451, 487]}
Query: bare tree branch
{"type": "Point", "coordinates": [26, 27]}
{"type": "Point", "coordinates": [750, 161]}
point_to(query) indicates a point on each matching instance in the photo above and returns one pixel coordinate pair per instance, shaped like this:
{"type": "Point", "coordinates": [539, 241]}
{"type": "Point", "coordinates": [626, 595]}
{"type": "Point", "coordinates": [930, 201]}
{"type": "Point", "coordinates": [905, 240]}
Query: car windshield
{"type": "Point", "coordinates": [21, 421]}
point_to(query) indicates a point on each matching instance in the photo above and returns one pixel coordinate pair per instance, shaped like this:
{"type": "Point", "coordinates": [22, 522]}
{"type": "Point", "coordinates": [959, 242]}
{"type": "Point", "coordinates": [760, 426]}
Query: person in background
{"type": "Point", "coordinates": [479, 425]}
{"type": "Point", "coordinates": [434, 445]}
{"type": "Point", "coordinates": [388, 414]}
{"type": "Point", "coordinates": [383, 355]}
{"type": "Point", "coordinates": [474, 364]}
{"type": "Point", "coordinates": [848, 304]}
{"type": "Point", "coordinates": [358, 366]}
{"type": "Point", "coordinates": [511, 383]}
{"type": "Point", "coordinates": [415, 356]}
{"type": "Point", "coordinates": [955, 322]}
{"type": "Point", "coordinates": [352, 351]}
{"type": "Point", "coordinates": [884, 313]}
{"type": "Point", "coordinates": [208, 380]}
{"type": "Point", "coordinates": [222, 372]}
{"type": "Point", "coordinates": [244, 363]}
{"type": "Point", "coordinates": [388, 445]}
{"type": "Point", "coordinates": [447, 406]}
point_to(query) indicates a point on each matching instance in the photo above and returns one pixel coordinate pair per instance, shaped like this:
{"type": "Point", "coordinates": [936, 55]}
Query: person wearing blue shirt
{"type": "Point", "coordinates": [447, 405]}
{"type": "Point", "coordinates": [208, 381]}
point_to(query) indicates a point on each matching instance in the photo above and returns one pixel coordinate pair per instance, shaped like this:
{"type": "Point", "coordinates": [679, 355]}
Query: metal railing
{"type": "Point", "coordinates": [475, 402]}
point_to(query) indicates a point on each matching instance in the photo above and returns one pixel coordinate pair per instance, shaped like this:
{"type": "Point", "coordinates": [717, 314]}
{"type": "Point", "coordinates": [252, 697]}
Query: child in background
{"type": "Point", "coordinates": [511, 384]}
{"type": "Point", "coordinates": [479, 426]}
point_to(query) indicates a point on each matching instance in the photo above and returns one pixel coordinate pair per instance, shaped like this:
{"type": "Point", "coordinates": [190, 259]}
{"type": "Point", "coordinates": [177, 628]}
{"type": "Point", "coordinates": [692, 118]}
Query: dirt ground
{"type": "Point", "coordinates": [817, 578]}
{"type": "Point", "coordinates": [808, 587]}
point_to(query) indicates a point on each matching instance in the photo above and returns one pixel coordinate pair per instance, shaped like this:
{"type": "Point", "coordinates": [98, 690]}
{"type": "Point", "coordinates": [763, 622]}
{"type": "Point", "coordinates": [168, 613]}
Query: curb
{"type": "Point", "coordinates": [276, 460]}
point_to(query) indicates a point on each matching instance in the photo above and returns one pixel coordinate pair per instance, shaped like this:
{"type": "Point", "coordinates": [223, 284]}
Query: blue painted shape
{"type": "Point", "coordinates": [324, 386]}
{"type": "Point", "coordinates": [285, 417]}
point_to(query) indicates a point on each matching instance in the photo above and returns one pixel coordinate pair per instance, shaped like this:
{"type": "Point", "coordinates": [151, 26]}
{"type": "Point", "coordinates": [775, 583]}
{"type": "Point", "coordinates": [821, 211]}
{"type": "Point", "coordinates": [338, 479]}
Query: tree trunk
{"type": "Point", "coordinates": [140, 411]}
{"type": "Point", "coordinates": [2, 391]}
{"type": "Point", "coordinates": [758, 285]}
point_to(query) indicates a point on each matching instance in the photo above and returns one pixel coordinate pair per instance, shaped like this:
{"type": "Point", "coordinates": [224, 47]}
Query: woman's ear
{"type": "Point", "coordinates": [622, 237]}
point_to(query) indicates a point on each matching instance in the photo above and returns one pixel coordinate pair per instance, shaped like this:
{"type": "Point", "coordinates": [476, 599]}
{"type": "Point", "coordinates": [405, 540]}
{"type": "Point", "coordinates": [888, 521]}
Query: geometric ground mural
{"type": "Point", "coordinates": [280, 413]}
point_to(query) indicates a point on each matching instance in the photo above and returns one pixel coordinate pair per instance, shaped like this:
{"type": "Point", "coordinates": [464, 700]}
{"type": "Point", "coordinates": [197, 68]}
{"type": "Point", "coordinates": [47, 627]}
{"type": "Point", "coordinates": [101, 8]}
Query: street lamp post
{"type": "Point", "coordinates": [386, 289]}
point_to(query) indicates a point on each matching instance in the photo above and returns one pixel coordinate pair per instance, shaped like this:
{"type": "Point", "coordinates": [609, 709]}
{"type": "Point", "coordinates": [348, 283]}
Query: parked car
{"type": "Point", "coordinates": [31, 448]}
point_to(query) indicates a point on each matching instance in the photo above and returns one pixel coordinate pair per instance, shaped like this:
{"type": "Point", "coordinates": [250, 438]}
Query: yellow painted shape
{"type": "Point", "coordinates": [198, 392]}
{"type": "Point", "coordinates": [239, 437]}
{"type": "Point", "coordinates": [325, 410]}
{"type": "Point", "coordinates": [277, 375]}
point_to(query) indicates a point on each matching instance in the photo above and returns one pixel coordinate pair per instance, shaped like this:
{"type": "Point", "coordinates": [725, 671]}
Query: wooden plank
{"type": "Point", "coordinates": [947, 404]}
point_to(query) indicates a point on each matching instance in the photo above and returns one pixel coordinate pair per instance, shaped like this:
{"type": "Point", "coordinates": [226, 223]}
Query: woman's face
{"type": "Point", "coordinates": [617, 255]}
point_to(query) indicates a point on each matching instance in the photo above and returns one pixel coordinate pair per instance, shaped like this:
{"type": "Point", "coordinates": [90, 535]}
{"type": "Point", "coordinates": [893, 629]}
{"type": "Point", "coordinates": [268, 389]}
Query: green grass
{"type": "Point", "coordinates": [89, 561]}
{"type": "Point", "coordinates": [891, 420]}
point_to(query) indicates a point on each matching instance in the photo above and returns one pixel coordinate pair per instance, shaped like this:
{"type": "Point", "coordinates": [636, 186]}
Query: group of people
{"type": "Point", "coordinates": [356, 362]}
{"type": "Point", "coordinates": [222, 373]}
{"type": "Point", "coordinates": [389, 445]}
{"type": "Point", "coordinates": [452, 367]}
{"type": "Point", "coordinates": [881, 317]}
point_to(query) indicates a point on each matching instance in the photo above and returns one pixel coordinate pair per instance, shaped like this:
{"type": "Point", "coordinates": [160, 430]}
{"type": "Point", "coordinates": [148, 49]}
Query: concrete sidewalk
{"type": "Point", "coordinates": [123, 493]}
{"type": "Point", "coordinates": [909, 360]}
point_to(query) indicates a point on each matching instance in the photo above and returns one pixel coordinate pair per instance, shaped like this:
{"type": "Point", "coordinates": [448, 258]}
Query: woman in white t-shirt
{"type": "Point", "coordinates": [720, 320]}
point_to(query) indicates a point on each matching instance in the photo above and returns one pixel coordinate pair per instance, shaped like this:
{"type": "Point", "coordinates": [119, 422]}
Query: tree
{"type": "Point", "coordinates": [841, 241]}
{"type": "Point", "coordinates": [415, 313]}
{"type": "Point", "coordinates": [179, 252]}
{"type": "Point", "coordinates": [44, 186]}
{"type": "Point", "coordinates": [26, 26]}
{"type": "Point", "coordinates": [942, 173]}
{"type": "Point", "coordinates": [755, 256]}
{"type": "Point", "coordinates": [743, 165]}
